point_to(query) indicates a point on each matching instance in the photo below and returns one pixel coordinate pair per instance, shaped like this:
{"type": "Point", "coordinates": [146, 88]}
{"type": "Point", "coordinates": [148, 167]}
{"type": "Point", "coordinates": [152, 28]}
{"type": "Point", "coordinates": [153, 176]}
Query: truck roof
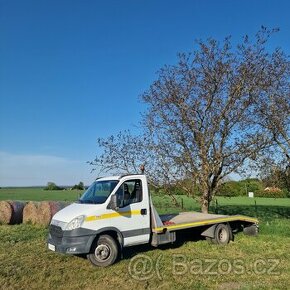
{"type": "Point", "coordinates": [108, 178]}
{"type": "Point", "coordinates": [118, 177]}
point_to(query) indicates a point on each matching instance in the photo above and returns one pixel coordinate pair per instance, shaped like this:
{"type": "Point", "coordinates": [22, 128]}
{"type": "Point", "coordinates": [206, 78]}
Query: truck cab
{"type": "Point", "coordinates": [115, 206]}
{"type": "Point", "coordinates": [117, 212]}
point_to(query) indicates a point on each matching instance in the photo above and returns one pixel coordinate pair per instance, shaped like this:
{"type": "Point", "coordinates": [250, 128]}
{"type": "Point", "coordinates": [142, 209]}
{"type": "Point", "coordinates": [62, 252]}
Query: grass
{"type": "Point", "coordinates": [38, 194]}
{"type": "Point", "coordinates": [245, 263]}
{"type": "Point", "coordinates": [26, 263]}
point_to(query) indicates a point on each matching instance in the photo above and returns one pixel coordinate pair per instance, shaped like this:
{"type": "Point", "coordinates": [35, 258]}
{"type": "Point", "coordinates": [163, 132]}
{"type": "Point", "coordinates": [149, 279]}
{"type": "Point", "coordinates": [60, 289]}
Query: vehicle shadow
{"type": "Point", "coordinates": [182, 237]}
{"type": "Point", "coordinates": [261, 211]}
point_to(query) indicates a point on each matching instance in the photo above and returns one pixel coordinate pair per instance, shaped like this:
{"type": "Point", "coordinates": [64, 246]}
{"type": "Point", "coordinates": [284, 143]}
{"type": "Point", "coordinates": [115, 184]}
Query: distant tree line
{"type": "Point", "coordinates": [79, 186]}
{"type": "Point", "coordinates": [53, 186]}
{"type": "Point", "coordinates": [230, 188]}
{"type": "Point", "coordinates": [257, 186]}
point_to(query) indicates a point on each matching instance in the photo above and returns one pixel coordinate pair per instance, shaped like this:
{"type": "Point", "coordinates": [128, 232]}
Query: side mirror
{"type": "Point", "coordinates": [115, 203]}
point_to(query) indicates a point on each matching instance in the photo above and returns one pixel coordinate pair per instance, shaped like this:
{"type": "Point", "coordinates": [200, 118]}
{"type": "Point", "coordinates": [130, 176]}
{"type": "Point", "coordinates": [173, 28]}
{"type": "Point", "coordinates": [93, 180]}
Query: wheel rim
{"type": "Point", "coordinates": [222, 235]}
{"type": "Point", "coordinates": [102, 252]}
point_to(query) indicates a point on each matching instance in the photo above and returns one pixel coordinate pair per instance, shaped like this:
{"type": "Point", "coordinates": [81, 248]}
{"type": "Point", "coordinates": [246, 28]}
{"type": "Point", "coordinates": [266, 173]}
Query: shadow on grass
{"type": "Point", "coordinates": [265, 212]}
{"type": "Point", "coordinates": [182, 237]}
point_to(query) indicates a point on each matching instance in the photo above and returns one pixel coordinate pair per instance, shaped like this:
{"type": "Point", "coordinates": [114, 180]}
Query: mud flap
{"type": "Point", "coordinates": [165, 238]}
{"type": "Point", "coordinates": [251, 230]}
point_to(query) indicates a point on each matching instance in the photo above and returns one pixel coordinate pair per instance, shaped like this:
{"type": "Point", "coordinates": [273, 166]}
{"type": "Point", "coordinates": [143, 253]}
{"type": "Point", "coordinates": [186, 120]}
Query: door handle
{"type": "Point", "coordinates": [143, 211]}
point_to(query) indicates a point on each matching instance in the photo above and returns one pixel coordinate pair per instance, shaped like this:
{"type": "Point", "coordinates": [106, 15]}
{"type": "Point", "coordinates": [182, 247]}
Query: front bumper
{"type": "Point", "coordinates": [77, 241]}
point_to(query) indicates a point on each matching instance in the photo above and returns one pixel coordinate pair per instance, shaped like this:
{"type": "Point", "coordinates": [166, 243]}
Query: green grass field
{"type": "Point", "coordinates": [38, 194]}
{"type": "Point", "coordinates": [261, 262]}
{"type": "Point", "coordinates": [163, 202]}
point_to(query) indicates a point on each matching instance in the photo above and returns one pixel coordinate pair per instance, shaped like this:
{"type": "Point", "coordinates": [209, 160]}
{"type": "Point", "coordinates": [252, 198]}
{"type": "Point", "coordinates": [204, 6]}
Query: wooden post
{"type": "Point", "coordinates": [216, 207]}
{"type": "Point", "coordinates": [256, 211]}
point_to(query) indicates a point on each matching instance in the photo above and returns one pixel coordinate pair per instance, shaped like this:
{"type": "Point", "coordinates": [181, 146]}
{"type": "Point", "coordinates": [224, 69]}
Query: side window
{"type": "Point", "coordinates": [130, 192]}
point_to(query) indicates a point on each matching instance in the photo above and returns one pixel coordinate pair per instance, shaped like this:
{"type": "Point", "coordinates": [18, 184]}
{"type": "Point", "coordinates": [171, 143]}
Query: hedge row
{"type": "Point", "coordinates": [272, 194]}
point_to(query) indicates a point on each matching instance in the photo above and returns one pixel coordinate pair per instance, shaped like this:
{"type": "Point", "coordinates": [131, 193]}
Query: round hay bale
{"type": "Point", "coordinates": [45, 213]}
{"type": "Point", "coordinates": [48, 209]}
{"type": "Point", "coordinates": [5, 212]}
{"type": "Point", "coordinates": [11, 212]}
{"type": "Point", "coordinates": [31, 212]}
{"type": "Point", "coordinates": [17, 211]}
{"type": "Point", "coordinates": [55, 206]}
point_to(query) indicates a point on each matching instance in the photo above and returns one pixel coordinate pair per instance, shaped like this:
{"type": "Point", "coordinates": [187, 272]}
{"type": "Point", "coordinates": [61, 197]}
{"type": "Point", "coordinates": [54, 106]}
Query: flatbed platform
{"type": "Point", "coordinates": [183, 220]}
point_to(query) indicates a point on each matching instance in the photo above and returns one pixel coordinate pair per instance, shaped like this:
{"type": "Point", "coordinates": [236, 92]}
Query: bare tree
{"type": "Point", "coordinates": [201, 123]}
{"type": "Point", "coordinates": [199, 110]}
{"type": "Point", "coordinates": [273, 115]}
{"type": "Point", "coordinates": [126, 153]}
{"type": "Point", "coordinates": [122, 154]}
{"type": "Point", "coordinates": [276, 176]}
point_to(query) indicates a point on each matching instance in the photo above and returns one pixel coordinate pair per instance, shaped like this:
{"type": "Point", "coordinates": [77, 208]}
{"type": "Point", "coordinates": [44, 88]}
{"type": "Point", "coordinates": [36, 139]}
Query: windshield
{"type": "Point", "coordinates": [98, 192]}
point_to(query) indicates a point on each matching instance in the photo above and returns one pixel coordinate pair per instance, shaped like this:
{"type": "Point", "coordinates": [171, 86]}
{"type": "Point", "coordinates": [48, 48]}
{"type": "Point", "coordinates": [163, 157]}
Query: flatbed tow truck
{"type": "Point", "coordinates": [117, 212]}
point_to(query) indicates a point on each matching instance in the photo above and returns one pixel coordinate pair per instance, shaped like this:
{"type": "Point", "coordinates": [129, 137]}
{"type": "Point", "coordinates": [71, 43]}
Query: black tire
{"type": "Point", "coordinates": [104, 251]}
{"type": "Point", "coordinates": [222, 235]}
{"type": "Point", "coordinates": [251, 230]}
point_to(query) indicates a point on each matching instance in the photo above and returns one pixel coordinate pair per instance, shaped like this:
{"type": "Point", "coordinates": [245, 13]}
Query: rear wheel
{"type": "Point", "coordinates": [222, 235]}
{"type": "Point", "coordinates": [104, 251]}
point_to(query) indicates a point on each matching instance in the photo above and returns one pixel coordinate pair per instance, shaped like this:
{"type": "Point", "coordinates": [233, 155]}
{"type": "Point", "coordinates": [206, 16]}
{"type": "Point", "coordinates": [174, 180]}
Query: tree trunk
{"type": "Point", "coordinates": [204, 205]}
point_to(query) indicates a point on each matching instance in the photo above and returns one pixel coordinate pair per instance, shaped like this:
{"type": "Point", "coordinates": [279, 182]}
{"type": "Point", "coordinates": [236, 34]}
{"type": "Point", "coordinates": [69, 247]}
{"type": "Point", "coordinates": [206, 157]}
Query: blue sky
{"type": "Point", "coordinates": [72, 71]}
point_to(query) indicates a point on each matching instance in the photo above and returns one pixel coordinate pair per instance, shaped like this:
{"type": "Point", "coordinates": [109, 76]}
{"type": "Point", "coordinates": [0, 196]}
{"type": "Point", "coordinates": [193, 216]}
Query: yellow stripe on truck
{"type": "Point", "coordinates": [112, 215]}
{"type": "Point", "coordinates": [206, 222]}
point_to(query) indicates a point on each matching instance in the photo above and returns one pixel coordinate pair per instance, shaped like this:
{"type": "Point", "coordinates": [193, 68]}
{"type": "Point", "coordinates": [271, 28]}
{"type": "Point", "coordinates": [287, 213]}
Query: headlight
{"type": "Point", "coordinates": [75, 223]}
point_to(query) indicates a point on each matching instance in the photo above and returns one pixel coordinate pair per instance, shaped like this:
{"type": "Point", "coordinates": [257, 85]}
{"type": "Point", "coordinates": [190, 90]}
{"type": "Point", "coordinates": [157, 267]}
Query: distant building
{"type": "Point", "coordinates": [273, 189]}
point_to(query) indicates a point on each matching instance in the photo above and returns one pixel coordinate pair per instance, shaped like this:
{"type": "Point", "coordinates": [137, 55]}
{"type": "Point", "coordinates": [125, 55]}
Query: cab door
{"type": "Point", "coordinates": [132, 218]}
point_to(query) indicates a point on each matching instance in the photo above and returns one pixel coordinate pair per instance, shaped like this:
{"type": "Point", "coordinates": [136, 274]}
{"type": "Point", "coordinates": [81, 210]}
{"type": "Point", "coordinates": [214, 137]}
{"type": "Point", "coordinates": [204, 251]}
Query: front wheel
{"type": "Point", "coordinates": [104, 251]}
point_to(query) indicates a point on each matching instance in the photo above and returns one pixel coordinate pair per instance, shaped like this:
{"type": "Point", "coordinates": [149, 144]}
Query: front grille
{"type": "Point", "coordinates": [56, 234]}
{"type": "Point", "coordinates": [55, 231]}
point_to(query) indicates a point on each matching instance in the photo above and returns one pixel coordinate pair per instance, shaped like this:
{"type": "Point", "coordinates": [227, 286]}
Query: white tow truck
{"type": "Point", "coordinates": [117, 212]}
